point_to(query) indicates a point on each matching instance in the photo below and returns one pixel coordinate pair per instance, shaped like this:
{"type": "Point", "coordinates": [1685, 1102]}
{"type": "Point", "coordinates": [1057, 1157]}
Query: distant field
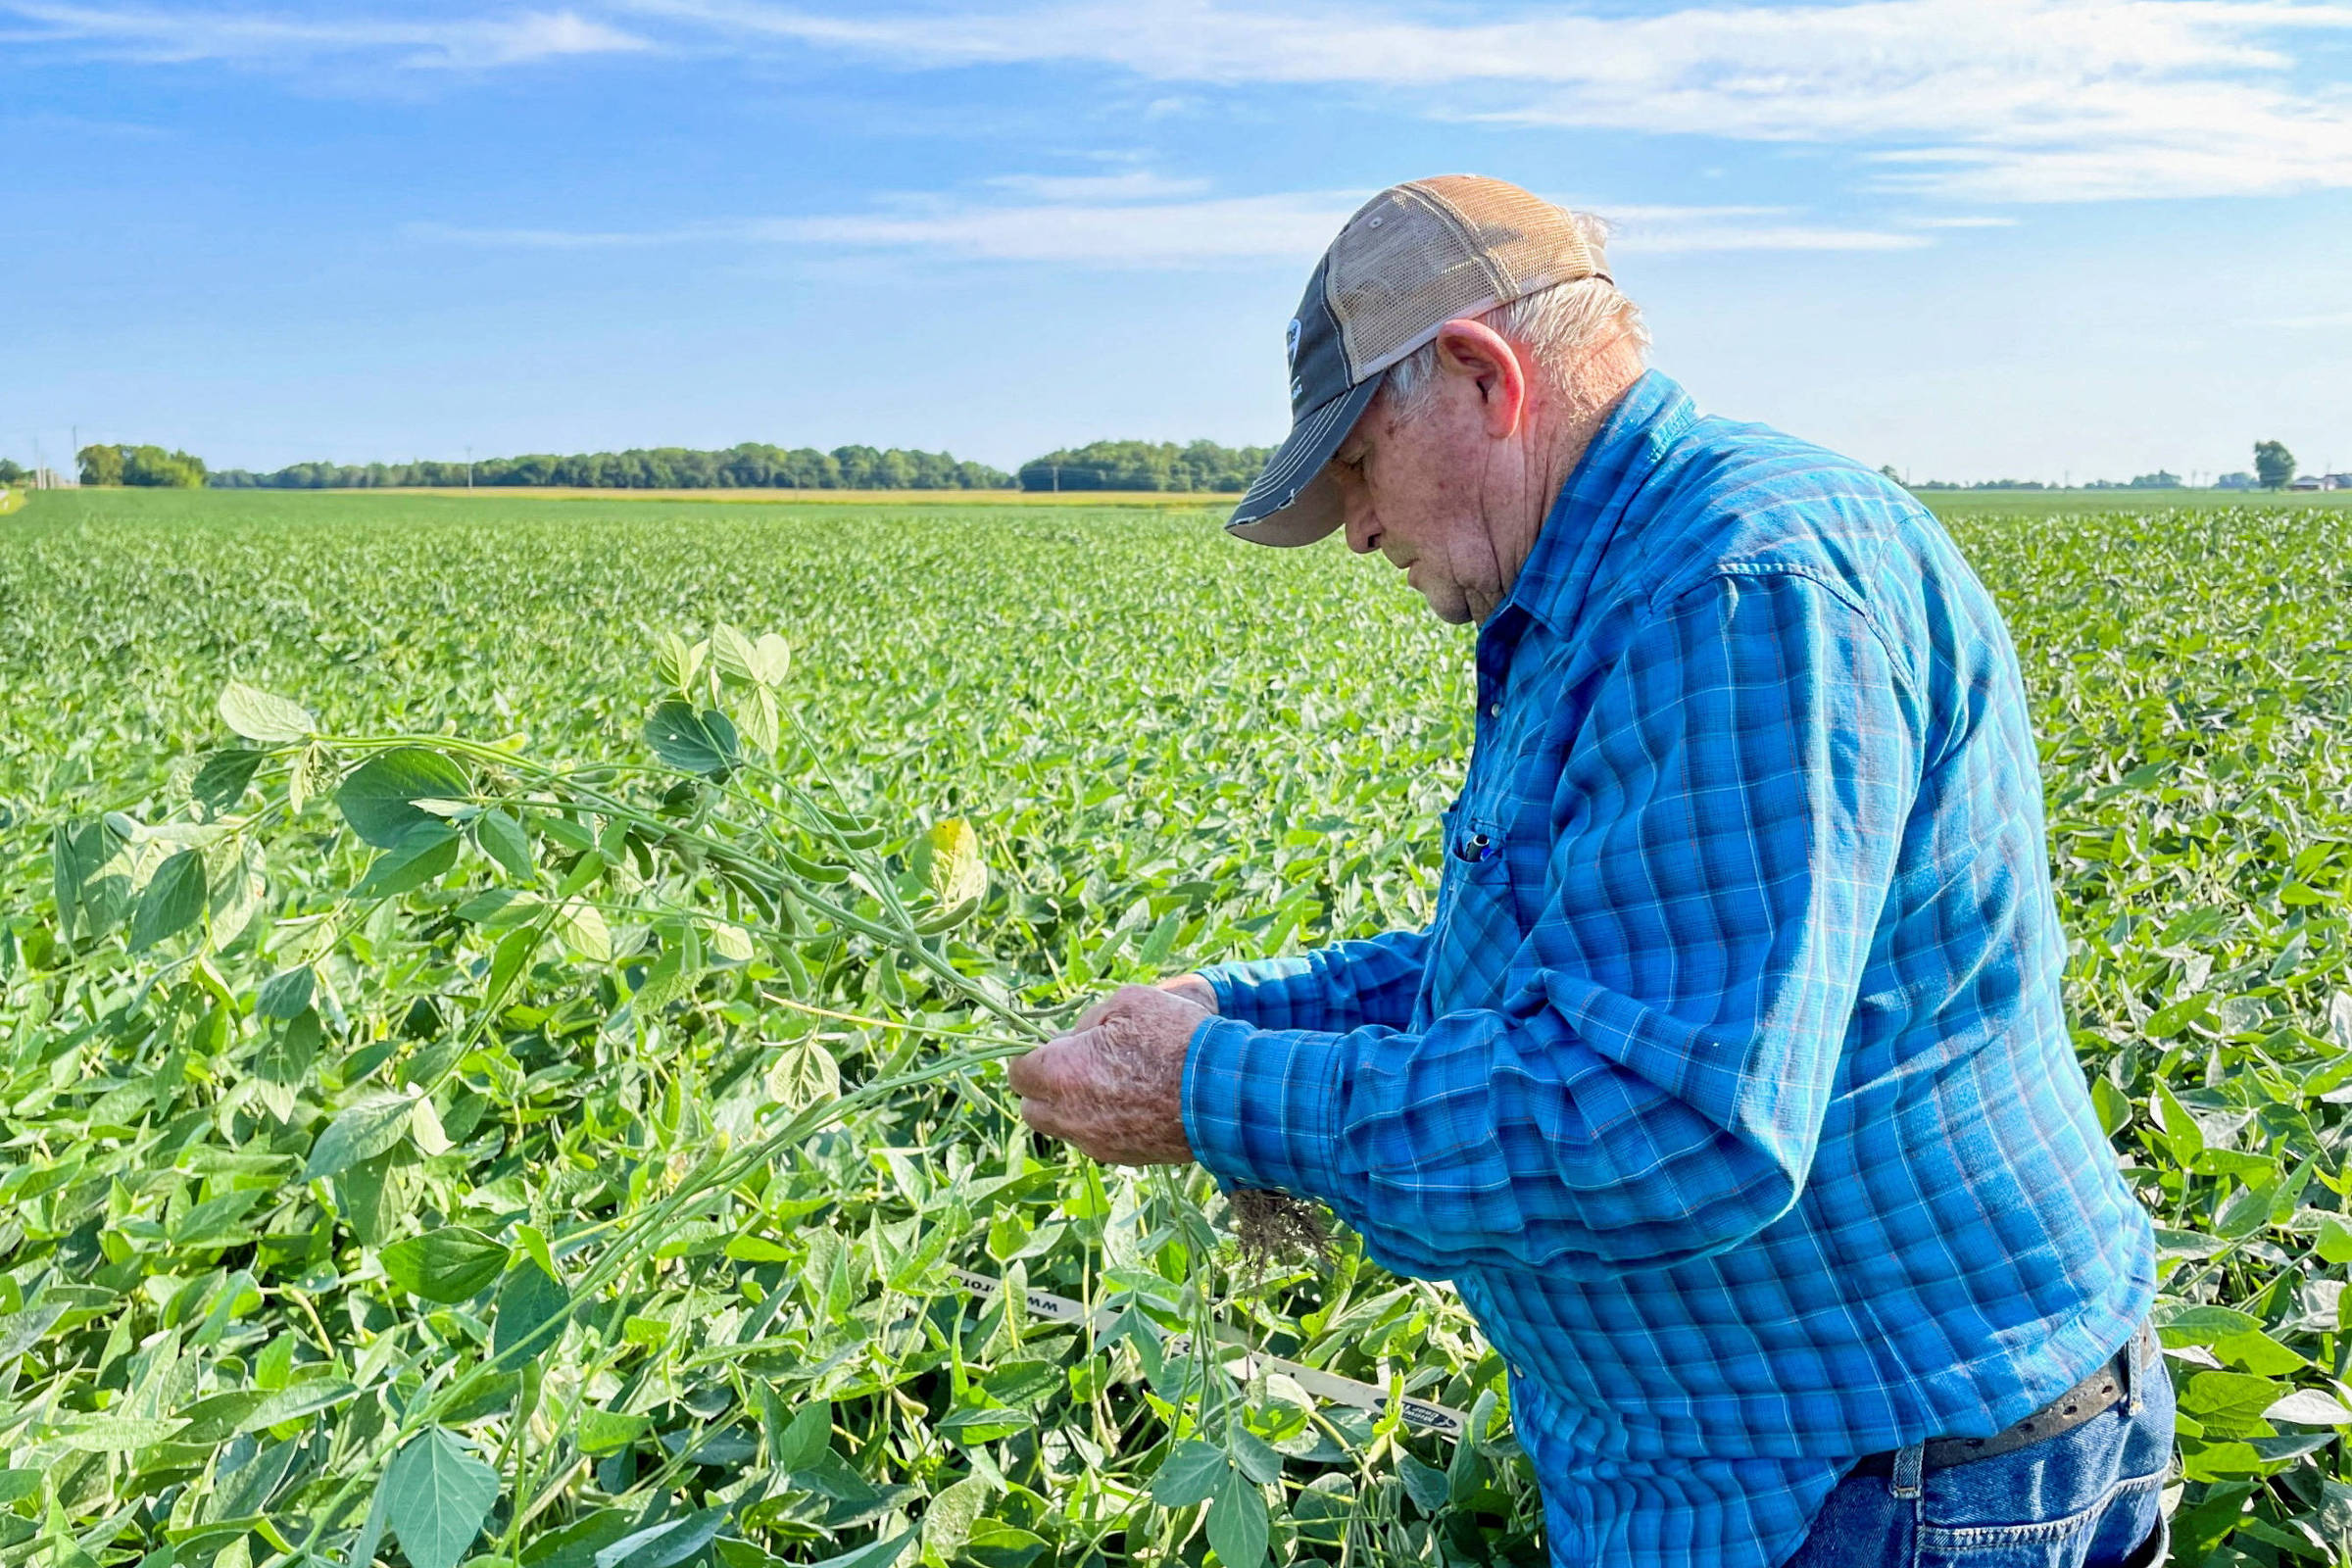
{"type": "Point", "coordinates": [1943, 503]}
{"type": "Point", "coordinates": [1961, 503]}
{"type": "Point", "coordinates": [372, 1080]}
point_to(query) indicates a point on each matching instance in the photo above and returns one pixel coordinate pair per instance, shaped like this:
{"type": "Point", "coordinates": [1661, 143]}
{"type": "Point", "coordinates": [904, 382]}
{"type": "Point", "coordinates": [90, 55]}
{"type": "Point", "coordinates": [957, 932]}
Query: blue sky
{"type": "Point", "coordinates": [1968, 237]}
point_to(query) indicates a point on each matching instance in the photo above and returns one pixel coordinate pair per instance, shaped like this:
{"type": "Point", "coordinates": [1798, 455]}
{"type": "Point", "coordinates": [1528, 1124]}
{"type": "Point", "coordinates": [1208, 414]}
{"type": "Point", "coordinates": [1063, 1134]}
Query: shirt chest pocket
{"type": "Point", "coordinates": [1476, 928]}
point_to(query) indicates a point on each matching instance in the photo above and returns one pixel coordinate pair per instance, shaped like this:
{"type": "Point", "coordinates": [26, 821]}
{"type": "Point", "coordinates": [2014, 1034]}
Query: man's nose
{"type": "Point", "coordinates": [1363, 523]}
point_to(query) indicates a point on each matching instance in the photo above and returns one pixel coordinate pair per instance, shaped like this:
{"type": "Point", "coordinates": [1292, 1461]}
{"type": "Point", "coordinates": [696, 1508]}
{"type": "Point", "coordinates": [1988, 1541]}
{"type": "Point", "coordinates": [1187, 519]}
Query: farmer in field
{"type": "Point", "coordinates": [1729, 1083]}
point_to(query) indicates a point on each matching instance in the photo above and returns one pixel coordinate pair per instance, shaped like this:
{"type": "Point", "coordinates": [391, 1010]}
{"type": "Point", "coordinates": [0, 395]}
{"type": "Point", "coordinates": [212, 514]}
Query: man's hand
{"type": "Point", "coordinates": [1114, 1084]}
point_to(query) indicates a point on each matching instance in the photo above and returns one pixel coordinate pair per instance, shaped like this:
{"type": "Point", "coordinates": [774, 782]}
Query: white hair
{"type": "Point", "coordinates": [1553, 324]}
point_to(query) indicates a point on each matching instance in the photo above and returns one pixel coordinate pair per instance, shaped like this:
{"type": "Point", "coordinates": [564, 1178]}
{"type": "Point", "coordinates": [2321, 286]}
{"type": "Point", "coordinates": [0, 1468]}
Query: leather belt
{"type": "Point", "coordinates": [2094, 1395]}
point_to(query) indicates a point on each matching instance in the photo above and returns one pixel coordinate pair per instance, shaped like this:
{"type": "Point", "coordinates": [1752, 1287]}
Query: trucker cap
{"type": "Point", "coordinates": [1412, 257]}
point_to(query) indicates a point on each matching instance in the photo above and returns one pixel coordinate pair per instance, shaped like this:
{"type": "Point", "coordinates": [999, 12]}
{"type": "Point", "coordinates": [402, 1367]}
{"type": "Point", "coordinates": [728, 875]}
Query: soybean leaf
{"type": "Point", "coordinates": [264, 716]}
{"type": "Point", "coordinates": [359, 1131]}
{"type": "Point", "coordinates": [216, 1417]}
{"type": "Point", "coordinates": [371, 1534]}
{"type": "Point", "coordinates": [239, 883]}
{"type": "Point", "coordinates": [1237, 1522]}
{"type": "Point", "coordinates": [72, 859]}
{"type": "Point", "coordinates": [117, 1434]}
{"type": "Point", "coordinates": [284, 1061]}
{"type": "Point", "coordinates": [879, 1554]}
{"type": "Point", "coordinates": [1256, 1458]}
{"type": "Point", "coordinates": [736, 1553]}
{"type": "Point", "coordinates": [694, 742]}
{"type": "Point", "coordinates": [503, 839]}
{"type": "Point", "coordinates": [583, 928]}
{"type": "Point", "coordinates": [806, 1438]}
{"type": "Point", "coordinates": [514, 951]}
{"type": "Point", "coordinates": [528, 1300]}
{"type": "Point", "coordinates": [678, 662]}
{"type": "Point", "coordinates": [449, 1265]}
{"type": "Point", "coordinates": [287, 995]}
{"type": "Point", "coordinates": [948, 859]}
{"type": "Point", "coordinates": [605, 1431]}
{"type": "Point", "coordinates": [424, 855]}
{"type": "Point", "coordinates": [220, 782]}
{"type": "Point", "coordinates": [379, 798]}
{"type": "Point", "coordinates": [22, 1331]}
{"type": "Point", "coordinates": [1425, 1484]}
{"type": "Point", "coordinates": [2177, 1326]}
{"type": "Point", "coordinates": [732, 653]}
{"type": "Point", "coordinates": [947, 1521]}
{"type": "Point", "coordinates": [172, 900]}
{"type": "Point", "coordinates": [761, 724]}
{"type": "Point", "coordinates": [805, 1074]}
{"type": "Point", "coordinates": [1189, 1474]}
{"type": "Point", "coordinates": [2309, 1408]}
{"type": "Point", "coordinates": [437, 1495]}
{"type": "Point", "coordinates": [425, 1123]}
{"type": "Point", "coordinates": [664, 1544]}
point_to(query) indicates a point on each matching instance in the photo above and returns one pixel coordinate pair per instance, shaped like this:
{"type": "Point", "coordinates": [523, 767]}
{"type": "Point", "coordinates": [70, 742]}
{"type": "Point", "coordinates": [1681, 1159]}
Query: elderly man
{"type": "Point", "coordinates": [1730, 1083]}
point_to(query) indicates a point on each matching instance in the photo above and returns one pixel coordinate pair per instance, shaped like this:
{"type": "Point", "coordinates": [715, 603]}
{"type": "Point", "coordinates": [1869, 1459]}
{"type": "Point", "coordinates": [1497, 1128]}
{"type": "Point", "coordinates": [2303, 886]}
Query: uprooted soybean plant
{"type": "Point", "coordinates": [501, 1064]}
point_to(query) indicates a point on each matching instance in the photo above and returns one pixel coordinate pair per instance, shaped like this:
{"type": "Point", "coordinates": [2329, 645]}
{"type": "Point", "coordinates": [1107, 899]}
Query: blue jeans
{"type": "Point", "coordinates": [2086, 1498]}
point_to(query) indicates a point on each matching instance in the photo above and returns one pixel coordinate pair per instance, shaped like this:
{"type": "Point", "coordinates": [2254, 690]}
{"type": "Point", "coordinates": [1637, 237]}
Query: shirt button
{"type": "Point", "coordinates": [1493, 709]}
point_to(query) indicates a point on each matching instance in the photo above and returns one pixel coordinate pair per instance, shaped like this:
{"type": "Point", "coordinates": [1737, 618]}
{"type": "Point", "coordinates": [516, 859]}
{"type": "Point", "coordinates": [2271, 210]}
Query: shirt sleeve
{"type": "Point", "coordinates": [1335, 989]}
{"type": "Point", "coordinates": [1652, 1085]}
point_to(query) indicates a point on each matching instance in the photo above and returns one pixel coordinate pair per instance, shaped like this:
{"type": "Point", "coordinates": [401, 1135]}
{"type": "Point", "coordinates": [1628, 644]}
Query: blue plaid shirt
{"type": "Point", "coordinates": [1730, 1084]}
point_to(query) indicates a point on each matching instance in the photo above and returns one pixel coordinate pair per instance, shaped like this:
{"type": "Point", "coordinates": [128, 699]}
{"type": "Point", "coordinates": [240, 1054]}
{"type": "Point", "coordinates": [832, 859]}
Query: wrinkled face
{"type": "Point", "coordinates": [1413, 489]}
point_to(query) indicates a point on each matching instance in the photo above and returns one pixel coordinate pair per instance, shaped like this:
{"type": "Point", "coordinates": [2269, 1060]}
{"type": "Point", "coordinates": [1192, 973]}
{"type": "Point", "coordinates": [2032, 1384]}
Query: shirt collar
{"type": "Point", "coordinates": [1584, 516]}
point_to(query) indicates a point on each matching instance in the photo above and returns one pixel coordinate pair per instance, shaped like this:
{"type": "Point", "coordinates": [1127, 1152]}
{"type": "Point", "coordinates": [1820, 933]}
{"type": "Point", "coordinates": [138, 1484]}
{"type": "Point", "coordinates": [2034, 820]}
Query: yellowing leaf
{"type": "Point", "coordinates": [260, 715]}
{"type": "Point", "coordinates": [581, 928]}
{"type": "Point", "coordinates": [949, 858]}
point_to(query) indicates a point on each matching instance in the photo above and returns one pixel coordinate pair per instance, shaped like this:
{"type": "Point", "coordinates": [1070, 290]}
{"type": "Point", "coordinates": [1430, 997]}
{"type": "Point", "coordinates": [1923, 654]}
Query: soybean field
{"type": "Point", "coordinates": [501, 1005]}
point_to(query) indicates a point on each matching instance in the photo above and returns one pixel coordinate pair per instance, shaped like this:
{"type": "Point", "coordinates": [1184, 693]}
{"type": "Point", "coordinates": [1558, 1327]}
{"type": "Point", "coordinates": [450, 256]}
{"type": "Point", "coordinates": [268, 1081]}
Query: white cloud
{"type": "Point", "coordinates": [470, 43]}
{"type": "Point", "coordinates": [1965, 221]}
{"type": "Point", "coordinates": [2012, 99]}
{"type": "Point", "coordinates": [1972, 100]}
{"type": "Point", "coordinates": [1137, 233]}
{"type": "Point", "coordinates": [1168, 233]}
{"type": "Point", "coordinates": [1134, 185]}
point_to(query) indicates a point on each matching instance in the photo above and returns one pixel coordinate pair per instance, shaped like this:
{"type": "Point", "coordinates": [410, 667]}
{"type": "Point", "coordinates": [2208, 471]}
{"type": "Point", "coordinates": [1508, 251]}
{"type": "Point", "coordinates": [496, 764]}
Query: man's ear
{"type": "Point", "coordinates": [1471, 347]}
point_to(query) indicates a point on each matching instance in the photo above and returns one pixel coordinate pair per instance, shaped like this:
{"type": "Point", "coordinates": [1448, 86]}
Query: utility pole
{"type": "Point", "coordinates": [470, 465]}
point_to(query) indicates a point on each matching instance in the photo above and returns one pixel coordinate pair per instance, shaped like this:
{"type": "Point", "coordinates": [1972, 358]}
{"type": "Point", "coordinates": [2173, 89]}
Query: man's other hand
{"type": "Point", "coordinates": [1114, 1084]}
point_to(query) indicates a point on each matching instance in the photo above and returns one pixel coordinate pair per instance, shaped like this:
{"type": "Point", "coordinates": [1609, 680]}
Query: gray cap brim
{"type": "Point", "coordinates": [1295, 502]}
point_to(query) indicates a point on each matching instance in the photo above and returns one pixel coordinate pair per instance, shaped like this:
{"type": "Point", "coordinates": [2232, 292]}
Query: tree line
{"type": "Point", "coordinates": [1165, 465]}
{"type": "Point", "coordinates": [1146, 465]}
{"type": "Point", "coordinates": [751, 465]}
{"type": "Point", "coordinates": [146, 466]}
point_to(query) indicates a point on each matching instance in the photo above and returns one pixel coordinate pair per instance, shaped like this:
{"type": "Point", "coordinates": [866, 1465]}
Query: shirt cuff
{"type": "Point", "coordinates": [1261, 1105]}
{"type": "Point", "coordinates": [1271, 993]}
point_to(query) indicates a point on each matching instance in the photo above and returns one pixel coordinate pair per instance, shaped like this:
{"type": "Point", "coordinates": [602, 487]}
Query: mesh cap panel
{"type": "Point", "coordinates": [1419, 255]}
{"type": "Point", "coordinates": [1401, 258]}
{"type": "Point", "coordinates": [1534, 243]}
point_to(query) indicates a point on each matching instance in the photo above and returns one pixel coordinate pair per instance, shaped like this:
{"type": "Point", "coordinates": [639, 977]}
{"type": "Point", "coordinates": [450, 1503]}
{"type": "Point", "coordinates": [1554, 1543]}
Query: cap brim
{"type": "Point", "coordinates": [1295, 502]}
